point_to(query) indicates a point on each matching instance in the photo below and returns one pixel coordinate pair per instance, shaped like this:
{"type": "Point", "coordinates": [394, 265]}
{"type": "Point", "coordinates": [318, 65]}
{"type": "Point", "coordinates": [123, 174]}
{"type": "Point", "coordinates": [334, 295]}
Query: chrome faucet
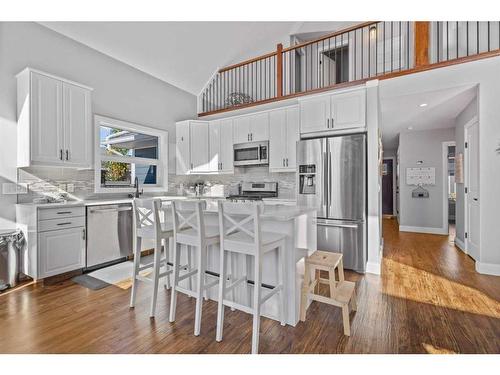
{"type": "Point", "coordinates": [137, 193]}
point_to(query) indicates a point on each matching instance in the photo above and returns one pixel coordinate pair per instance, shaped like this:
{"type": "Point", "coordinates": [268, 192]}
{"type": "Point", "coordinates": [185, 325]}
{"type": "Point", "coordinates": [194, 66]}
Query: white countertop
{"type": "Point", "coordinates": [278, 212]}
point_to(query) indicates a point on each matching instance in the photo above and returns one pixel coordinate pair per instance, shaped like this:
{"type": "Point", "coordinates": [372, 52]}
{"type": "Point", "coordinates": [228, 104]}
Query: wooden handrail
{"type": "Point", "coordinates": [332, 35]}
{"type": "Point", "coordinates": [246, 62]}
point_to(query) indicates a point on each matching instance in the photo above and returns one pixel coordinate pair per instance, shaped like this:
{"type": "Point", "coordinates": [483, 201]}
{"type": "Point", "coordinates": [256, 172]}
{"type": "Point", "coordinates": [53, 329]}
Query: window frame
{"type": "Point", "coordinates": [160, 162]}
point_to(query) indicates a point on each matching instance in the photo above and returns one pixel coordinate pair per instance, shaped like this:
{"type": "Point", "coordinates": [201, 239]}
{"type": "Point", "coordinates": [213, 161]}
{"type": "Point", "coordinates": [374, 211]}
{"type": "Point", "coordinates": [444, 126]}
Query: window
{"type": "Point", "coordinates": [126, 152]}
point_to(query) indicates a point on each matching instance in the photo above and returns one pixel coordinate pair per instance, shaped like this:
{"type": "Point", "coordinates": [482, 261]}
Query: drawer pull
{"type": "Point", "coordinates": [63, 212]}
{"type": "Point", "coordinates": [67, 223]}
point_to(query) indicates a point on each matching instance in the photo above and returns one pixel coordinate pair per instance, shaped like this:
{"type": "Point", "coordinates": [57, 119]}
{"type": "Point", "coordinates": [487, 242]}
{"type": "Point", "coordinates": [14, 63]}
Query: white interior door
{"type": "Point", "coordinates": [472, 184]}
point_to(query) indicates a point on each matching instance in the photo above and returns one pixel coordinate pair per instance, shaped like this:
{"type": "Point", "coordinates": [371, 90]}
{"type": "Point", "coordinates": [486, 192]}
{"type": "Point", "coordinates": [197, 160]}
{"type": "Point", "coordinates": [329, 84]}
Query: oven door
{"type": "Point", "coordinates": [247, 154]}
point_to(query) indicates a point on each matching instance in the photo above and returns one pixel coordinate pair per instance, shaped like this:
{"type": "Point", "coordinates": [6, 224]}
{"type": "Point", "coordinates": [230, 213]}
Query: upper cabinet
{"type": "Point", "coordinates": [333, 112]}
{"type": "Point", "coordinates": [283, 137]}
{"type": "Point", "coordinates": [251, 128]}
{"type": "Point", "coordinates": [54, 121]}
{"type": "Point", "coordinates": [221, 146]}
{"type": "Point", "coordinates": [192, 147]}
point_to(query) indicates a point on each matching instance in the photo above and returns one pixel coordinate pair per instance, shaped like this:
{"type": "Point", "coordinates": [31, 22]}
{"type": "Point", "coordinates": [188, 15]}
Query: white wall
{"type": "Point", "coordinates": [485, 73]}
{"type": "Point", "coordinates": [423, 214]}
{"type": "Point", "coordinates": [119, 90]}
{"type": "Point", "coordinates": [462, 119]}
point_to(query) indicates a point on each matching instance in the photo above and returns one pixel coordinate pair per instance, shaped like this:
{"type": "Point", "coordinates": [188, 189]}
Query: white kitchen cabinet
{"type": "Point", "coordinates": [192, 147]}
{"type": "Point", "coordinates": [199, 147]}
{"type": "Point", "coordinates": [54, 121]}
{"type": "Point", "coordinates": [61, 251]}
{"type": "Point", "coordinates": [348, 110]}
{"type": "Point", "coordinates": [241, 129]}
{"type": "Point", "coordinates": [182, 148]}
{"type": "Point", "coordinates": [283, 137]}
{"type": "Point", "coordinates": [221, 146]}
{"type": "Point", "coordinates": [251, 128]}
{"type": "Point", "coordinates": [333, 112]}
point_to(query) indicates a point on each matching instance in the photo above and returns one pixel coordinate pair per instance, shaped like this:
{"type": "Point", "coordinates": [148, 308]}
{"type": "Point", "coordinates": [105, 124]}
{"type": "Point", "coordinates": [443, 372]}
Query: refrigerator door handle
{"type": "Point", "coordinates": [325, 181]}
{"type": "Point", "coordinates": [326, 223]}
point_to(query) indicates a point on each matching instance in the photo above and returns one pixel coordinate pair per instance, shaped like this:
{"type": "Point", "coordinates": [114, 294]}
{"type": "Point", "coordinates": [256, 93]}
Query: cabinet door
{"type": "Point", "coordinates": [259, 127]}
{"type": "Point", "coordinates": [226, 146]}
{"type": "Point", "coordinates": [182, 151]}
{"type": "Point", "coordinates": [77, 126]}
{"type": "Point", "coordinates": [241, 129]}
{"type": "Point", "coordinates": [314, 114]}
{"type": "Point", "coordinates": [349, 110]}
{"type": "Point", "coordinates": [292, 136]}
{"type": "Point", "coordinates": [199, 146]}
{"type": "Point", "coordinates": [214, 132]}
{"type": "Point", "coordinates": [46, 120]}
{"type": "Point", "coordinates": [61, 251]}
{"type": "Point", "coordinates": [277, 137]}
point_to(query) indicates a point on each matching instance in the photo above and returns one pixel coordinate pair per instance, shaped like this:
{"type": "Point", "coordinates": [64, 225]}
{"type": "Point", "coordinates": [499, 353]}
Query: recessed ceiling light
{"type": "Point", "coordinates": [423, 105]}
{"type": "Point", "coordinates": [410, 127]}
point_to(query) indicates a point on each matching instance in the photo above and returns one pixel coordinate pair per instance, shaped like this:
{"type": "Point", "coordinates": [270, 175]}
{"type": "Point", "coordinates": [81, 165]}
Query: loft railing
{"type": "Point", "coordinates": [348, 57]}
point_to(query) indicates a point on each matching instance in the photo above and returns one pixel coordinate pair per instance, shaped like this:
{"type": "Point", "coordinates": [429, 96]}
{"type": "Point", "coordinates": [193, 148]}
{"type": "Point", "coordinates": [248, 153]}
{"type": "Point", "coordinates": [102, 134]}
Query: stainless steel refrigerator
{"type": "Point", "coordinates": [332, 178]}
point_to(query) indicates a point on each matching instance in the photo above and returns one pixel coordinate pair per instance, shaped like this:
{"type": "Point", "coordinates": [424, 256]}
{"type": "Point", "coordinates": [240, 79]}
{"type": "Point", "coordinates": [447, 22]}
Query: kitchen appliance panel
{"type": "Point", "coordinates": [311, 157]}
{"type": "Point", "coordinates": [346, 177]}
{"type": "Point", "coordinates": [252, 153]}
{"type": "Point", "coordinates": [345, 237]}
{"type": "Point", "coordinates": [109, 233]}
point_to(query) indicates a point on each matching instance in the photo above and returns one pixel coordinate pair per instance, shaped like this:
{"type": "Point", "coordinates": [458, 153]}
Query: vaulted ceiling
{"type": "Point", "coordinates": [186, 54]}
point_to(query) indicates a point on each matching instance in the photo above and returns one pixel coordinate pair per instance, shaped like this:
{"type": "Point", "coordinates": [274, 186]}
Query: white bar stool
{"type": "Point", "coordinates": [190, 230]}
{"type": "Point", "coordinates": [148, 225]}
{"type": "Point", "coordinates": [240, 232]}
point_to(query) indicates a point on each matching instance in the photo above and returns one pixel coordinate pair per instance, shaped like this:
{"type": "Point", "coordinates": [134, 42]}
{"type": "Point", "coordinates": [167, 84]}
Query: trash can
{"type": "Point", "coordinates": [10, 245]}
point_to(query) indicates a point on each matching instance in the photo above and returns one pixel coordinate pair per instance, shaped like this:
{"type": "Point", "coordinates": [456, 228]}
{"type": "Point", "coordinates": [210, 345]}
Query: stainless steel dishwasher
{"type": "Point", "coordinates": [109, 234]}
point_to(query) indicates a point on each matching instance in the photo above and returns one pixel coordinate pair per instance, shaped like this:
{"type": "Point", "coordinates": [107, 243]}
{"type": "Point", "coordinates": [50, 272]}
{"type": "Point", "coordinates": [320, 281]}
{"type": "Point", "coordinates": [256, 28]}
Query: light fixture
{"type": "Point", "coordinates": [423, 105]}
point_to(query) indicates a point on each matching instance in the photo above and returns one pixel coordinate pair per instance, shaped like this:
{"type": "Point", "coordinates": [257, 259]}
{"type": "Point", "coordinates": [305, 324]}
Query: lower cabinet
{"type": "Point", "coordinates": [61, 251]}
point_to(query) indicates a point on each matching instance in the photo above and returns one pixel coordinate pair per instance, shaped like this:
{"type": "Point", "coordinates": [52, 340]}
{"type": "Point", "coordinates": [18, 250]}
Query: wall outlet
{"type": "Point", "coordinates": [11, 188]}
{"type": "Point", "coordinates": [70, 188]}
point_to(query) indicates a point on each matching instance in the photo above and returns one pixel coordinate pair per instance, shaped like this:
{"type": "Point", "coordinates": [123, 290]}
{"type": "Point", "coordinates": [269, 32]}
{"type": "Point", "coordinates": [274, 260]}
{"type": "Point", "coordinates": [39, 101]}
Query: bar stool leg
{"type": "Point", "coordinates": [168, 251]}
{"type": "Point", "coordinates": [256, 302]}
{"type": "Point", "coordinates": [248, 269]}
{"type": "Point", "coordinates": [233, 276]}
{"type": "Point", "coordinates": [281, 273]}
{"type": "Point", "coordinates": [222, 293]}
{"type": "Point", "coordinates": [175, 282]}
{"type": "Point", "coordinates": [190, 264]}
{"type": "Point", "coordinates": [137, 263]}
{"type": "Point", "coordinates": [156, 277]}
{"type": "Point", "coordinates": [200, 288]}
{"type": "Point", "coordinates": [305, 291]}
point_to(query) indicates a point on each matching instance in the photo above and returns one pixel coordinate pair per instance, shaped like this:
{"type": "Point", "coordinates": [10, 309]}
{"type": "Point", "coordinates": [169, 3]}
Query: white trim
{"type": "Point", "coordinates": [488, 268]}
{"type": "Point", "coordinates": [444, 149]}
{"type": "Point", "coordinates": [460, 244]}
{"type": "Point", "coordinates": [393, 158]}
{"type": "Point", "coordinates": [161, 162]}
{"type": "Point", "coordinates": [429, 230]}
{"type": "Point", "coordinates": [374, 268]}
{"type": "Point", "coordinates": [54, 77]}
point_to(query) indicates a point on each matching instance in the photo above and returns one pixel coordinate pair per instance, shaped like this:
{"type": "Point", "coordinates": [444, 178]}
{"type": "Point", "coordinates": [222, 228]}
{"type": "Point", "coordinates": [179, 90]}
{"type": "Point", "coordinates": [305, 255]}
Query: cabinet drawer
{"type": "Point", "coordinates": [61, 223]}
{"type": "Point", "coordinates": [60, 212]}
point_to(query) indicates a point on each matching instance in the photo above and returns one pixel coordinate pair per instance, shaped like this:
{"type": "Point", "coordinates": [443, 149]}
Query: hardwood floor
{"type": "Point", "coordinates": [428, 299]}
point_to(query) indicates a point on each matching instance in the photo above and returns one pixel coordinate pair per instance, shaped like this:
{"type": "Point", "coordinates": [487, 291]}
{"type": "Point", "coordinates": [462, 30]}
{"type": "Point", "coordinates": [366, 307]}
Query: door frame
{"type": "Point", "coordinates": [393, 158]}
{"type": "Point", "coordinates": [444, 146]}
{"type": "Point", "coordinates": [469, 124]}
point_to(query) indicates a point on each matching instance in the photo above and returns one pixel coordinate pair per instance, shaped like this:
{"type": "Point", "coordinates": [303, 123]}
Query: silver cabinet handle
{"type": "Point", "coordinates": [67, 223]}
{"type": "Point", "coordinates": [83, 234]}
{"type": "Point", "coordinates": [287, 162]}
{"type": "Point", "coordinates": [328, 123]}
{"type": "Point", "coordinates": [251, 136]}
{"type": "Point", "coordinates": [332, 123]}
{"type": "Point", "coordinates": [67, 155]}
{"type": "Point", "coordinates": [63, 212]}
{"type": "Point", "coordinates": [61, 154]}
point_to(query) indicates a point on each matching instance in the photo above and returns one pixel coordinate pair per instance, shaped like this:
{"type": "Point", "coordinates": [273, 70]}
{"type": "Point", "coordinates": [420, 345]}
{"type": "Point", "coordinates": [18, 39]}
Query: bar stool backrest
{"type": "Point", "coordinates": [188, 214]}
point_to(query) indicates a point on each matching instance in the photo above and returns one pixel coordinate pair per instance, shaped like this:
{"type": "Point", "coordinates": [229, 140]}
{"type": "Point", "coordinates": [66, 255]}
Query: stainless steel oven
{"type": "Point", "coordinates": [253, 153]}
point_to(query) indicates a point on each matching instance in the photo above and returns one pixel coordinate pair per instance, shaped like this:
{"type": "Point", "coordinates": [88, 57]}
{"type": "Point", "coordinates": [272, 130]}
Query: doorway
{"type": "Point", "coordinates": [388, 186]}
{"type": "Point", "coordinates": [450, 188]}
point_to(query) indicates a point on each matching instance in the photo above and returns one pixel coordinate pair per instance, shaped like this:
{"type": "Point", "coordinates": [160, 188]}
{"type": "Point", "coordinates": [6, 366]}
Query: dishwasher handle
{"type": "Point", "coordinates": [107, 210]}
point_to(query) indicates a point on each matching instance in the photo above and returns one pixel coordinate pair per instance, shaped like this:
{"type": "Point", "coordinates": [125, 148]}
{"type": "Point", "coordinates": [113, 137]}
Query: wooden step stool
{"type": "Point", "coordinates": [341, 292]}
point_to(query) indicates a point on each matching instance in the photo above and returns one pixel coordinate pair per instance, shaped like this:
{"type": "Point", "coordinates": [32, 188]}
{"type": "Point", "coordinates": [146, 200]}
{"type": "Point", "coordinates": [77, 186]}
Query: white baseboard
{"type": "Point", "coordinates": [406, 228]}
{"type": "Point", "coordinates": [372, 267]}
{"type": "Point", "coordinates": [460, 244]}
{"type": "Point", "coordinates": [488, 268]}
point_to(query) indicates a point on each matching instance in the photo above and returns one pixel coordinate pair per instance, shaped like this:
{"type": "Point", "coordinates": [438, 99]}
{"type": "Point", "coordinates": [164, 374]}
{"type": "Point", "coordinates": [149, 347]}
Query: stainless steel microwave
{"type": "Point", "coordinates": [252, 153]}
